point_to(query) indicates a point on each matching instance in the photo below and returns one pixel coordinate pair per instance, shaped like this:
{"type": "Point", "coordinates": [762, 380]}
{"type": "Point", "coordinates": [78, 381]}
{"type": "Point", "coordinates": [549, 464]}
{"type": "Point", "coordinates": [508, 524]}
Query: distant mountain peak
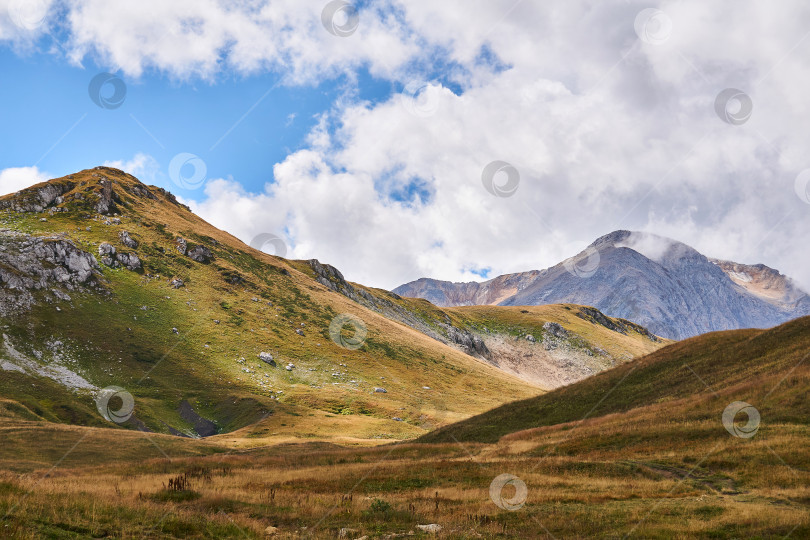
{"type": "Point", "coordinates": [656, 281]}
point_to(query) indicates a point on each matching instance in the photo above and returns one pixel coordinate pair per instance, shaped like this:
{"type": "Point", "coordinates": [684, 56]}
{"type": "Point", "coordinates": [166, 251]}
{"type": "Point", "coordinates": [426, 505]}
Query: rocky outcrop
{"type": "Point", "coordinates": [37, 199]}
{"type": "Point", "coordinates": [555, 330]}
{"type": "Point", "coordinates": [330, 277]}
{"type": "Point", "coordinates": [112, 258]}
{"type": "Point", "coordinates": [267, 358]}
{"type": "Point", "coordinates": [106, 197]}
{"type": "Point", "coordinates": [201, 254]}
{"type": "Point", "coordinates": [127, 240]}
{"type": "Point", "coordinates": [197, 253]}
{"type": "Point", "coordinates": [469, 342]}
{"type": "Point", "coordinates": [51, 264]}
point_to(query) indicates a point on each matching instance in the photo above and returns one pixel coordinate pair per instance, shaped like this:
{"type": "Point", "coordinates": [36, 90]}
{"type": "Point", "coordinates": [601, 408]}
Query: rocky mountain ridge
{"type": "Point", "coordinates": [146, 298]}
{"type": "Point", "coordinates": [657, 282]}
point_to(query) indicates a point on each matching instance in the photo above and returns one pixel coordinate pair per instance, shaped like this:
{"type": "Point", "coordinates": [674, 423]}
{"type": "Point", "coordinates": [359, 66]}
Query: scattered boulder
{"type": "Point", "coordinates": [555, 330]}
{"type": "Point", "coordinates": [127, 240]}
{"type": "Point", "coordinates": [267, 358]}
{"type": "Point", "coordinates": [182, 245]}
{"type": "Point", "coordinates": [130, 261]}
{"type": "Point", "coordinates": [432, 528]}
{"type": "Point", "coordinates": [299, 331]}
{"type": "Point", "coordinates": [379, 390]}
{"type": "Point", "coordinates": [176, 283]}
{"type": "Point", "coordinates": [530, 338]}
{"type": "Point", "coordinates": [201, 254]}
{"type": "Point", "coordinates": [108, 254]}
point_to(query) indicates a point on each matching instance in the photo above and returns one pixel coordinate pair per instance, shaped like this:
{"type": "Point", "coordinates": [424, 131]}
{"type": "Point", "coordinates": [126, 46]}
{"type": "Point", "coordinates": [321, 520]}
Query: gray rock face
{"type": "Point", "coordinates": [107, 252]}
{"type": "Point", "coordinates": [127, 240]}
{"type": "Point", "coordinates": [555, 330]}
{"type": "Point", "coordinates": [110, 257]}
{"type": "Point", "coordinates": [37, 199]}
{"type": "Point", "coordinates": [107, 198]}
{"type": "Point", "coordinates": [130, 261]}
{"type": "Point", "coordinates": [201, 254]}
{"type": "Point", "coordinates": [267, 358]}
{"type": "Point", "coordinates": [661, 284]}
{"type": "Point", "coordinates": [39, 263]}
{"type": "Point", "coordinates": [472, 344]}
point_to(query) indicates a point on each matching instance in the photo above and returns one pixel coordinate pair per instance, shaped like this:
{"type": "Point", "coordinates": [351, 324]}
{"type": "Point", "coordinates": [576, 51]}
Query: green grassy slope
{"type": "Point", "coordinates": [199, 343]}
{"type": "Point", "coordinates": [716, 362]}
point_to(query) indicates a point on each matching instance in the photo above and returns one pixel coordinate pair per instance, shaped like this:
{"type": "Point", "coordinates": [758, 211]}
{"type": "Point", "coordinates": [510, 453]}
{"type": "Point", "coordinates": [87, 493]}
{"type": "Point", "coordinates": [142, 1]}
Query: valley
{"type": "Point", "coordinates": [162, 379]}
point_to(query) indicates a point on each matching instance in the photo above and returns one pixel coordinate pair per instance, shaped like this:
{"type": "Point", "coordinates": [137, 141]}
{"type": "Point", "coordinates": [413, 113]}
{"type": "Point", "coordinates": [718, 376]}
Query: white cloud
{"type": "Point", "coordinates": [606, 131]}
{"type": "Point", "coordinates": [143, 166]}
{"type": "Point", "coordinates": [22, 22]}
{"type": "Point", "coordinates": [14, 179]}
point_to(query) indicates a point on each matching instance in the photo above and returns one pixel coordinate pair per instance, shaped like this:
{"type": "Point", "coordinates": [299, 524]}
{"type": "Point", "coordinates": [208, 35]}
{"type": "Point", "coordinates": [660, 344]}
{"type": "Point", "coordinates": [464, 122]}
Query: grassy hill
{"type": "Point", "coordinates": [188, 354]}
{"type": "Point", "coordinates": [721, 366]}
{"type": "Point", "coordinates": [640, 451]}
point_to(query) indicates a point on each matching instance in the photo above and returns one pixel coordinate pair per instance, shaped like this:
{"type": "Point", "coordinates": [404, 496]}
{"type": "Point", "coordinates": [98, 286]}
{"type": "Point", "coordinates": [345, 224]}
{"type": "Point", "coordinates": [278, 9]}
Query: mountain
{"type": "Point", "coordinates": [659, 283]}
{"type": "Point", "coordinates": [112, 291]}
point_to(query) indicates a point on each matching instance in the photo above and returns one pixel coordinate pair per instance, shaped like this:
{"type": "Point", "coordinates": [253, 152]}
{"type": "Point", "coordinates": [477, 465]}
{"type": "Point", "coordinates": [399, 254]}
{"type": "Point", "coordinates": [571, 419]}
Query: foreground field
{"type": "Point", "coordinates": [664, 484]}
{"type": "Point", "coordinates": [658, 458]}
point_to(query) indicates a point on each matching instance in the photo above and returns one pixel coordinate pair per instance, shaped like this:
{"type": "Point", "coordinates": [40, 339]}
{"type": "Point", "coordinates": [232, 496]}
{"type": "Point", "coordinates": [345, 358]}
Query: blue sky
{"type": "Point", "coordinates": [58, 128]}
{"type": "Point", "coordinates": [362, 133]}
